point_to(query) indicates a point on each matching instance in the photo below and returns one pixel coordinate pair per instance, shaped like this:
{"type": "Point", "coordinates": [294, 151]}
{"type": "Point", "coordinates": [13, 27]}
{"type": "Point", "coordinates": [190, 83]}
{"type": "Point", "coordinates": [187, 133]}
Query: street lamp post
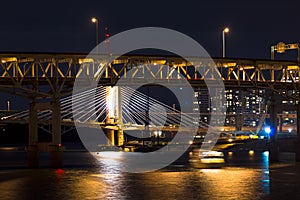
{"type": "Point", "coordinates": [95, 21]}
{"type": "Point", "coordinates": [226, 30]}
{"type": "Point", "coordinates": [8, 105]}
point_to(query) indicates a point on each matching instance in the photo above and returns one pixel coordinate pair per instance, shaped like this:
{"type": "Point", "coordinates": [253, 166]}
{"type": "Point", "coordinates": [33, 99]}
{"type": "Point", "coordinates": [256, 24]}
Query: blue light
{"type": "Point", "coordinates": [266, 153]}
{"type": "Point", "coordinates": [268, 130]}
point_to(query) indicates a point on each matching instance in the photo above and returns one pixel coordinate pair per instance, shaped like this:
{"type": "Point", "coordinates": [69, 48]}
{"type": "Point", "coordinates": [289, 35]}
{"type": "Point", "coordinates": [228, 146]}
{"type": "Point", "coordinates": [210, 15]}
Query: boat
{"type": "Point", "coordinates": [208, 159]}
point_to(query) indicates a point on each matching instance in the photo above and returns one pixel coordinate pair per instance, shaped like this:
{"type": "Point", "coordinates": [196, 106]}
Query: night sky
{"type": "Point", "coordinates": [64, 26]}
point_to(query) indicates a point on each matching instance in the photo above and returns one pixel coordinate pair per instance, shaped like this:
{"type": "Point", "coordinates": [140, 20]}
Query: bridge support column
{"type": "Point", "coordinates": [56, 148]}
{"type": "Point", "coordinates": [120, 137]}
{"type": "Point", "coordinates": [114, 115]}
{"type": "Point", "coordinates": [273, 145]}
{"type": "Point", "coordinates": [277, 145]}
{"type": "Point", "coordinates": [111, 137]}
{"type": "Point", "coordinates": [32, 148]}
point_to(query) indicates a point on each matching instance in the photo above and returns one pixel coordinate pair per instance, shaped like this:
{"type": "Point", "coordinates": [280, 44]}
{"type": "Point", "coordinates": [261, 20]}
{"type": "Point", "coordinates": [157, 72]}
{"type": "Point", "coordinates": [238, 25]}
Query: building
{"type": "Point", "coordinates": [244, 108]}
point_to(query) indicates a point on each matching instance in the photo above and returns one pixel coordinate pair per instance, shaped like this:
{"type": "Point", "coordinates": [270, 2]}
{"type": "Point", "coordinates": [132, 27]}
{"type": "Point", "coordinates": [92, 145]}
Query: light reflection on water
{"type": "Point", "coordinates": [266, 173]}
{"type": "Point", "coordinates": [106, 181]}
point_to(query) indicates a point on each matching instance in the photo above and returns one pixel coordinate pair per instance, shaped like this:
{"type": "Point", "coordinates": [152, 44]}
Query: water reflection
{"type": "Point", "coordinates": [231, 183]}
{"type": "Point", "coordinates": [239, 180]}
{"type": "Point", "coordinates": [265, 173]}
{"type": "Point", "coordinates": [110, 162]}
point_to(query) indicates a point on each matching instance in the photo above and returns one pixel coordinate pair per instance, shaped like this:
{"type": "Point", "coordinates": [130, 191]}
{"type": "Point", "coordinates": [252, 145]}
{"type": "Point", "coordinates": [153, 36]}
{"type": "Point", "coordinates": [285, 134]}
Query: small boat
{"type": "Point", "coordinates": [208, 159]}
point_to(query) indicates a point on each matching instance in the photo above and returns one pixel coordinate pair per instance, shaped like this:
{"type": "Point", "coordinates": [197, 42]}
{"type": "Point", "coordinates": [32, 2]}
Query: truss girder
{"type": "Point", "coordinates": [49, 75]}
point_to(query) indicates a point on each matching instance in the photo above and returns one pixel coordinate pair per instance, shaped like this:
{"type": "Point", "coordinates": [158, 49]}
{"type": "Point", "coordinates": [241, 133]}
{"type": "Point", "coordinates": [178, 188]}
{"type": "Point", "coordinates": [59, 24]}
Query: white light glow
{"type": "Point", "coordinates": [268, 129]}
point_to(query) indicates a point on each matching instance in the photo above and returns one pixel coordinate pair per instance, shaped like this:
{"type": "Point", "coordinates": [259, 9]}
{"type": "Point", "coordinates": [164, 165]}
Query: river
{"type": "Point", "coordinates": [245, 176]}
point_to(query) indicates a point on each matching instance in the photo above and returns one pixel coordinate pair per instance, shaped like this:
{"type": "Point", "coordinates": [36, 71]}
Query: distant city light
{"type": "Point", "coordinates": [251, 152]}
{"type": "Point", "coordinates": [266, 153]}
{"type": "Point", "coordinates": [268, 130]}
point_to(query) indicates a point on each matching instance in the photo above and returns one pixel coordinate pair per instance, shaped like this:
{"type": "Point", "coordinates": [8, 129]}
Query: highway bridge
{"type": "Point", "coordinates": [47, 79]}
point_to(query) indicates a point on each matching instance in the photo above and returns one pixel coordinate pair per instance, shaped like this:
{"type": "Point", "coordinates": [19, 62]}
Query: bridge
{"type": "Point", "coordinates": [25, 73]}
{"type": "Point", "coordinates": [47, 79]}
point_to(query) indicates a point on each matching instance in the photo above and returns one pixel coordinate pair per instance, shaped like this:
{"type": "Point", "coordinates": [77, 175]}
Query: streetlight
{"type": "Point", "coordinates": [8, 105]}
{"type": "Point", "coordinates": [226, 30]}
{"type": "Point", "coordinates": [95, 21]}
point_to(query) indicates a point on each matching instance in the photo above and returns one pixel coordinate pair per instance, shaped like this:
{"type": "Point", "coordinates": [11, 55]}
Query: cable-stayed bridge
{"type": "Point", "coordinates": [136, 115]}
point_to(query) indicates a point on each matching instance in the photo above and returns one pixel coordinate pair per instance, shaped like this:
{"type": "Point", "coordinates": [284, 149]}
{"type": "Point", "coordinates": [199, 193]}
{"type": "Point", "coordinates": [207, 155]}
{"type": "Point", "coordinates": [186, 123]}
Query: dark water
{"type": "Point", "coordinates": [83, 177]}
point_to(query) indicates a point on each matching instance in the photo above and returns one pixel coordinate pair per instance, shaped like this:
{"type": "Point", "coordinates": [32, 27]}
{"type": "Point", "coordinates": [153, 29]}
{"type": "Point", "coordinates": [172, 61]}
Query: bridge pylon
{"type": "Point", "coordinates": [32, 148]}
{"type": "Point", "coordinates": [114, 115]}
{"type": "Point", "coordinates": [277, 145]}
{"type": "Point", "coordinates": [54, 147]}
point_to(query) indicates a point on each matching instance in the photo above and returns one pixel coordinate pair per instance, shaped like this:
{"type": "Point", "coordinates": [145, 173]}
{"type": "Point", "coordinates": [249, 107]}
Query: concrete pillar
{"type": "Point", "coordinates": [33, 125]}
{"type": "Point", "coordinates": [32, 148]}
{"type": "Point", "coordinates": [280, 124]}
{"type": "Point", "coordinates": [273, 120]}
{"type": "Point", "coordinates": [273, 145]}
{"type": "Point", "coordinates": [55, 156]}
{"type": "Point", "coordinates": [120, 137]}
{"type": "Point", "coordinates": [114, 114]}
{"type": "Point", "coordinates": [56, 148]}
{"type": "Point", "coordinates": [110, 102]}
{"type": "Point", "coordinates": [32, 156]}
{"type": "Point", "coordinates": [56, 123]}
{"type": "Point", "coordinates": [110, 136]}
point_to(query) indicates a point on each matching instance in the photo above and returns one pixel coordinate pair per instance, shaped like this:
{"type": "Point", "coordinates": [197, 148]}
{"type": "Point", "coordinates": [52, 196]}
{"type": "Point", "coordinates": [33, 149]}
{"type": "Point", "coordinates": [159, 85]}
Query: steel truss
{"type": "Point", "coordinates": [52, 75]}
